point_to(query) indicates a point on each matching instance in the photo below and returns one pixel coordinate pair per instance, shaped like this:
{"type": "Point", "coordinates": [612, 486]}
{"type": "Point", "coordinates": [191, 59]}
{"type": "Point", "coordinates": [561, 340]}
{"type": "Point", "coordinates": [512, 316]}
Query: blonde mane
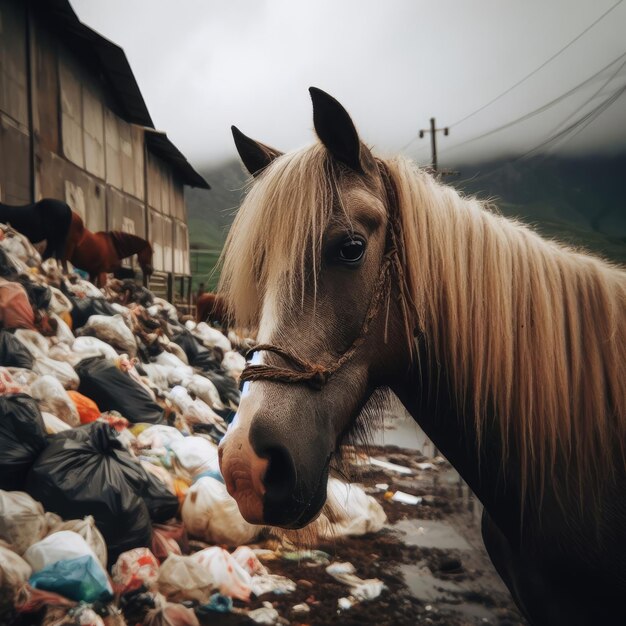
{"type": "Point", "coordinates": [525, 329]}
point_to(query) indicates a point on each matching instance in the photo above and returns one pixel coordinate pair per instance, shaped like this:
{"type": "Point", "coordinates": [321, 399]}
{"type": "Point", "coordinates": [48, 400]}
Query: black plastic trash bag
{"type": "Point", "coordinates": [6, 265]}
{"type": "Point", "coordinates": [113, 390]}
{"type": "Point", "coordinates": [212, 430]}
{"type": "Point", "coordinates": [197, 354]}
{"type": "Point", "coordinates": [226, 386]}
{"type": "Point", "coordinates": [87, 471]}
{"type": "Point", "coordinates": [136, 293]}
{"type": "Point", "coordinates": [22, 439]}
{"type": "Point", "coordinates": [161, 502]}
{"type": "Point", "coordinates": [13, 353]}
{"type": "Point", "coordinates": [39, 296]}
{"type": "Point", "coordinates": [85, 307]}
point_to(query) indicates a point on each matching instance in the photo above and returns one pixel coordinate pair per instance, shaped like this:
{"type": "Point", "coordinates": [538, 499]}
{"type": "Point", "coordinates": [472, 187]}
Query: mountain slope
{"type": "Point", "coordinates": [210, 213]}
{"type": "Point", "coordinates": [581, 201]}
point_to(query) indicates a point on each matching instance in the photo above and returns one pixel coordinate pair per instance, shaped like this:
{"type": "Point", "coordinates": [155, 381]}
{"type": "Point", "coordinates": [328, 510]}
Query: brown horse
{"type": "Point", "coordinates": [509, 350]}
{"type": "Point", "coordinates": [102, 252]}
{"type": "Point", "coordinates": [210, 307]}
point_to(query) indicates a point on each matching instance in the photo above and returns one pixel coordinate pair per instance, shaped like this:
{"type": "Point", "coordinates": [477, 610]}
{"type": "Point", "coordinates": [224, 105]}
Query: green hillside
{"type": "Point", "coordinates": [210, 214]}
{"type": "Point", "coordinates": [581, 202]}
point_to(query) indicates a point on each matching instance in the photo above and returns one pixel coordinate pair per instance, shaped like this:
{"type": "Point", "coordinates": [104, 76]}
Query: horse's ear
{"type": "Point", "coordinates": [256, 156]}
{"type": "Point", "coordinates": [336, 130]}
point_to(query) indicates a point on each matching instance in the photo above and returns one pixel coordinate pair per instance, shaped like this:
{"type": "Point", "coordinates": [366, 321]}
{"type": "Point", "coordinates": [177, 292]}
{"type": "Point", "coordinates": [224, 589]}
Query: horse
{"type": "Point", "coordinates": [363, 274]}
{"type": "Point", "coordinates": [46, 220]}
{"type": "Point", "coordinates": [210, 307]}
{"type": "Point", "coordinates": [102, 252]}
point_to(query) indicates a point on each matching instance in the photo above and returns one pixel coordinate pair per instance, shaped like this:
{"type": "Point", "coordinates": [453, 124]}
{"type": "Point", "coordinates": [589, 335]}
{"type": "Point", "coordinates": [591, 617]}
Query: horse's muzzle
{"type": "Point", "coordinates": [265, 484]}
{"type": "Point", "coordinates": [243, 473]}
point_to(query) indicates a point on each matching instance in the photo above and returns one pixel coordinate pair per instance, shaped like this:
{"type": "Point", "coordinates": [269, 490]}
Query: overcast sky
{"type": "Point", "coordinates": [203, 65]}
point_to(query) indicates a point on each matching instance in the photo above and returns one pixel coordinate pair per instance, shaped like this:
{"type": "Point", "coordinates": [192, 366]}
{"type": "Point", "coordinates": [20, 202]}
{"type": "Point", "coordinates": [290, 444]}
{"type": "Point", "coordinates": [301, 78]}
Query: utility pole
{"type": "Point", "coordinates": [433, 140]}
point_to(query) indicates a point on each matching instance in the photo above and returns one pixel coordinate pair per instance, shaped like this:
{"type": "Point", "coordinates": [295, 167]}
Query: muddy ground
{"type": "Point", "coordinates": [430, 557]}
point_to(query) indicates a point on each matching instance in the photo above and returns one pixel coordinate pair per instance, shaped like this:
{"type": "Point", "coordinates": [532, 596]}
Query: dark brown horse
{"type": "Point", "coordinates": [210, 307]}
{"type": "Point", "coordinates": [47, 220]}
{"type": "Point", "coordinates": [509, 350]}
{"type": "Point", "coordinates": [102, 252]}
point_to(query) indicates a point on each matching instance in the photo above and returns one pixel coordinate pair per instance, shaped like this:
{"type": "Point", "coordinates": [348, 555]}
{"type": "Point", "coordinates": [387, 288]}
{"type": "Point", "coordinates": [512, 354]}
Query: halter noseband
{"type": "Point", "coordinates": [317, 375]}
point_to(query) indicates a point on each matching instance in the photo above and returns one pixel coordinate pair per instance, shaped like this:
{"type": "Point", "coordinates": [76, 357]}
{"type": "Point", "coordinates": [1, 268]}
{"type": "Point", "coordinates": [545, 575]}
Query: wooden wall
{"type": "Point", "coordinates": [82, 151]}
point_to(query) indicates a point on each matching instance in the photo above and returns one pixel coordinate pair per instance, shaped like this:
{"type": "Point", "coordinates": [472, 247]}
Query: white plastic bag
{"type": "Point", "coordinates": [204, 389]}
{"type": "Point", "coordinates": [59, 546]}
{"type": "Point", "coordinates": [61, 352]}
{"type": "Point", "coordinates": [353, 512]}
{"type": "Point", "coordinates": [175, 349]}
{"type": "Point", "coordinates": [8, 384]}
{"type": "Point", "coordinates": [159, 438]}
{"type": "Point", "coordinates": [211, 337]}
{"type": "Point", "coordinates": [122, 310]}
{"type": "Point", "coordinates": [22, 376]}
{"type": "Point", "coordinates": [212, 515]}
{"type": "Point", "coordinates": [64, 332]}
{"type": "Point", "coordinates": [247, 558]}
{"type": "Point", "coordinates": [87, 347]}
{"type": "Point", "coordinates": [234, 364]}
{"type": "Point", "coordinates": [82, 288]}
{"type": "Point", "coordinates": [226, 574]}
{"type": "Point", "coordinates": [192, 456]}
{"type": "Point", "coordinates": [177, 372]}
{"type": "Point", "coordinates": [53, 424]}
{"type": "Point", "coordinates": [157, 375]}
{"type": "Point", "coordinates": [135, 568]}
{"type": "Point", "coordinates": [62, 371]}
{"type": "Point", "coordinates": [87, 529]}
{"type": "Point", "coordinates": [59, 302]}
{"type": "Point", "coordinates": [14, 570]}
{"type": "Point", "coordinates": [51, 397]}
{"type": "Point", "coordinates": [194, 411]}
{"type": "Point", "coordinates": [182, 578]}
{"type": "Point", "coordinates": [35, 343]}
{"type": "Point", "coordinates": [19, 247]}
{"type": "Point", "coordinates": [22, 520]}
{"type": "Point", "coordinates": [111, 330]}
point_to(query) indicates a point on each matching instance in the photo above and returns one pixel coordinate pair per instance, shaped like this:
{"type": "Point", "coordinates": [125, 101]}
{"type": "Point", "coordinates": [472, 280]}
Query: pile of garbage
{"type": "Point", "coordinates": [112, 506]}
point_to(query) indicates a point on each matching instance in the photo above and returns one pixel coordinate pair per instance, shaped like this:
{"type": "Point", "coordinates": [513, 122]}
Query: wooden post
{"type": "Point", "coordinates": [433, 130]}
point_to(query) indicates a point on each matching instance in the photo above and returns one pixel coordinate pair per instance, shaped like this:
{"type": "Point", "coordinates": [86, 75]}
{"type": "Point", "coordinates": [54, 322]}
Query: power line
{"type": "Point", "coordinates": [550, 104]}
{"type": "Point", "coordinates": [540, 67]}
{"type": "Point", "coordinates": [576, 127]}
{"type": "Point", "coordinates": [582, 122]}
{"type": "Point", "coordinates": [532, 73]}
{"type": "Point", "coordinates": [589, 99]}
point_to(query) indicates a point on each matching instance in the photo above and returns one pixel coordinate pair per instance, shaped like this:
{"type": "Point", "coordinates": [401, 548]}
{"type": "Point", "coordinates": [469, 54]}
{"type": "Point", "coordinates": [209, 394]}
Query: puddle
{"type": "Point", "coordinates": [430, 534]}
{"type": "Point", "coordinates": [443, 595]}
{"type": "Point", "coordinates": [425, 586]}
{"type": "Point", "coordinates": [471, 610]}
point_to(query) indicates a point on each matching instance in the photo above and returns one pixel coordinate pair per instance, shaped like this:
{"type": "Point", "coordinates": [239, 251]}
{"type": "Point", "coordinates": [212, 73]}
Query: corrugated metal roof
{"type": "Point", "coordinates": [117, 72]}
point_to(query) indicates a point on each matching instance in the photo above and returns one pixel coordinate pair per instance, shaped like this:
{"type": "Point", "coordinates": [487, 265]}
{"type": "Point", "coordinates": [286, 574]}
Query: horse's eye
{"type": "Point", "coordinates": [352, 250]}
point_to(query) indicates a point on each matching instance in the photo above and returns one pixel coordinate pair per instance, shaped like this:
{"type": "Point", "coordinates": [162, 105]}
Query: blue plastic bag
{"type": "Point", "coordinates": [81, 579]}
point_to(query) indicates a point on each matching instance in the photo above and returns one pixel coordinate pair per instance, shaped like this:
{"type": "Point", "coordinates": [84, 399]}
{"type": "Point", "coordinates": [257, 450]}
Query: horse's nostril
{"type": "Point", "coordinates": [280, 477]}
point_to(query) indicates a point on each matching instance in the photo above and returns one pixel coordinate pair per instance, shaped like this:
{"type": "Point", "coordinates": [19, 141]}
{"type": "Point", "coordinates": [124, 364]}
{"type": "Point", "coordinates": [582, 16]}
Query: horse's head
{"type": "Point", "coordinates": [312, 261]}
{"type": "Point", "coordinates": [144, 256]}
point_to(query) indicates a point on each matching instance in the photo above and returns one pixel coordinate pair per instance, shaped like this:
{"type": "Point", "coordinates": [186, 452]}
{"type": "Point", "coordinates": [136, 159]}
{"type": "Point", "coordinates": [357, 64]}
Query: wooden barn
{"type": "Point", "coordinates": [74, 126]}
